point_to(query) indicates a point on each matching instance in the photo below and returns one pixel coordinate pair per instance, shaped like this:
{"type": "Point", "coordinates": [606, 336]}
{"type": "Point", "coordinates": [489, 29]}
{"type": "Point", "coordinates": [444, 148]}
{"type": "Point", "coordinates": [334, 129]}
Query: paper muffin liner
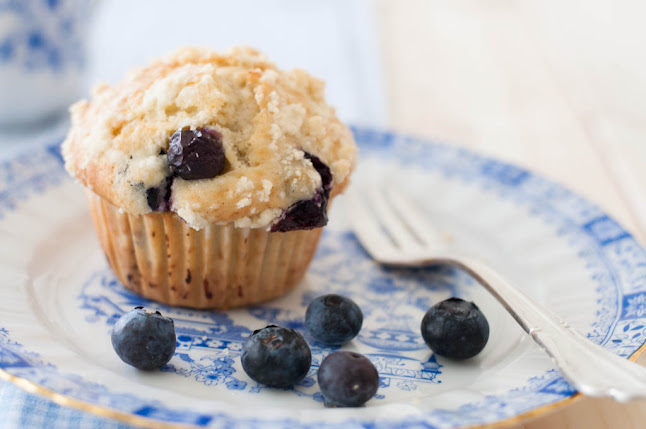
{"type": "Point", "coordinates": [160, 257]}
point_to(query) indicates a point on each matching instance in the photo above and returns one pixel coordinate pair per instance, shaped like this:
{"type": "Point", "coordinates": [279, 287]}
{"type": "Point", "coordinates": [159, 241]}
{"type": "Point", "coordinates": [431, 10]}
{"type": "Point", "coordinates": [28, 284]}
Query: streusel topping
{"type": "Point", "coordinates": [269, 123]}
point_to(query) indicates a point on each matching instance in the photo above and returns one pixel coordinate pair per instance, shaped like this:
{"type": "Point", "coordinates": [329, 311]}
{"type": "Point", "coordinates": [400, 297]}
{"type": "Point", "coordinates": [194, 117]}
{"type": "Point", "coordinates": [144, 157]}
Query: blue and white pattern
{"type": "Point", "coordinates": [29, 174]}
{"type": "Point", "coordinates": [45, 34]}
{"type": "Point", "coordinates": [209, 342]}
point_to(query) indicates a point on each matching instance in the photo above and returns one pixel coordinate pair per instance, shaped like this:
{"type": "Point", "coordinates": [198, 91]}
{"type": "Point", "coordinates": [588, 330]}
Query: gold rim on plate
{"type": "Point", "coordinates": [136, 420]}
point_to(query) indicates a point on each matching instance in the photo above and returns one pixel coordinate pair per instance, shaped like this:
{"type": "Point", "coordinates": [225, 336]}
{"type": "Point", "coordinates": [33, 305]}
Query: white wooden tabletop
{"type": "Point", "coordinates": [558, 87]}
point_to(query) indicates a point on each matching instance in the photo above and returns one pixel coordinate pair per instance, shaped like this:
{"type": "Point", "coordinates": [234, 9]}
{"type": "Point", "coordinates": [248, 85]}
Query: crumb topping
{"type": "Point", "coordinates": [267, 119]}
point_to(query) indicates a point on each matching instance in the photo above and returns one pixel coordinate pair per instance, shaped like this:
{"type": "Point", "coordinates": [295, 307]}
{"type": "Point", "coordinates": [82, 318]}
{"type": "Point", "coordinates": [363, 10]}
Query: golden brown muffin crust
{"type": "Point", "coordinates": [267, 118]}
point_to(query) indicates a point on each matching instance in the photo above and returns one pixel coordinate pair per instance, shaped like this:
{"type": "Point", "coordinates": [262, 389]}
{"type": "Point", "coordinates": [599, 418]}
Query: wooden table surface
{"type": "Point", "coordinates": [558, 88]}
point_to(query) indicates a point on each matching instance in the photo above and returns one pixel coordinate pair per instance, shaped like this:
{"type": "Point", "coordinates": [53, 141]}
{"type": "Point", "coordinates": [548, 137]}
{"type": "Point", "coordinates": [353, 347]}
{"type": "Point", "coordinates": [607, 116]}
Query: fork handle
{"type": "Point", "coordinates": [590, 368]}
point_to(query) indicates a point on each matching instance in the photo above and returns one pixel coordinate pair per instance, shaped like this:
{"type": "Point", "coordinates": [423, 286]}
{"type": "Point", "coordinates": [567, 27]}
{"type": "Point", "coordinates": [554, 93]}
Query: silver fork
{"type": "Point", "coordinates": [409, 240]}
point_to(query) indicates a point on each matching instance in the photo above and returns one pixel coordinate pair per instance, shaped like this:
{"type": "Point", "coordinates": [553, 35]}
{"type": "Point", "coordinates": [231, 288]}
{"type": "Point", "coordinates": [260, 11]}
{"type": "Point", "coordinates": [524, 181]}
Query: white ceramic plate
{"type": "Point", "coordinates": [59, 300]}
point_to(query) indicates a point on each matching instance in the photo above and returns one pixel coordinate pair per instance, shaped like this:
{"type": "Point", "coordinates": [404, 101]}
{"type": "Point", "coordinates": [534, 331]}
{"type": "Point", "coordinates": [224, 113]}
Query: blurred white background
{"type": "Point", "coordinates": [335, 40]}
{"type": "Point", "coordinates": [558, 87]}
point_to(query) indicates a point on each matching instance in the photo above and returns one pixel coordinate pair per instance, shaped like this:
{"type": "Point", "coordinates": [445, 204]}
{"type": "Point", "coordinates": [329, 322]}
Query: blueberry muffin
{"type": "Point", "coordinates": [208, 175]}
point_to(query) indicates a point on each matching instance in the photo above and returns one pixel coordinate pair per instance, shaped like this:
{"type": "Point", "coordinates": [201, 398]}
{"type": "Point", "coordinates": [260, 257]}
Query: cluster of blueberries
{"type": "Point", "coordinates": [281, 357]}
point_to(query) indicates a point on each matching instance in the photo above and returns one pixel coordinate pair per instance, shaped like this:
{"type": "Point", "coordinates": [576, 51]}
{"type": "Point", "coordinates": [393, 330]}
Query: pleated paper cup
{"type": "Point", "coordinates": [160, 257]}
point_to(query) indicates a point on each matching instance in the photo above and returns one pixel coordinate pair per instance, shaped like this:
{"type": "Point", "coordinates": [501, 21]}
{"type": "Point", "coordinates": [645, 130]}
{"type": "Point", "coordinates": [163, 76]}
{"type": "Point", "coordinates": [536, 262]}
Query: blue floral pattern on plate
{"type": "Point", "coordinates": [209, 342]}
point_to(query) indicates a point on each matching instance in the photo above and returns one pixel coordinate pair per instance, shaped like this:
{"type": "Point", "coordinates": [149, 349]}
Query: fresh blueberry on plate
{"type": "Point", "coordinates": [143, 339]}
{"type": "Point", "coordinates": [455, 329]}
{"type": "Point", "coordinates": [347, 379]}
{"type": "Point", "coordinates": [333, 319]}
{"type": "Point", "coordinates": [276, 356]}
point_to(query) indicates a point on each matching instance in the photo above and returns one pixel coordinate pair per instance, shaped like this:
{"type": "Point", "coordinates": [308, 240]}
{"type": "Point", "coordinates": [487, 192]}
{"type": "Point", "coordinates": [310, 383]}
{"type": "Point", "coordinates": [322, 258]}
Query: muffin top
{"type": "Point", "coordinates": [216, 139]}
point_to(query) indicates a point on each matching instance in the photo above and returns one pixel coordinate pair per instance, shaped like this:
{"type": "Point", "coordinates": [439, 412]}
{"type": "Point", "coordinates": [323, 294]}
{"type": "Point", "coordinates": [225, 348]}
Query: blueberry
{"type": "Point", "coordinates": [333, 319]}
{"type": "Point", "coordinates": [347, 379]}
{"type": "Point", "coordinates": [312, 213]}
{"type": "Point", "coordinates": [276, 356]}
{"type": "Point", "coordinates": [196, 154]}
{"type": "Point", "coordinates": [143, 339]}
{"type": "Point", "coordinates": [322, 169]}
{"type": "Point", "coordinates": [455, 328]}
{"type": "Point", "coordinates": [159, 197]}
{"type": "Point", "coordinates": [305, 214]}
